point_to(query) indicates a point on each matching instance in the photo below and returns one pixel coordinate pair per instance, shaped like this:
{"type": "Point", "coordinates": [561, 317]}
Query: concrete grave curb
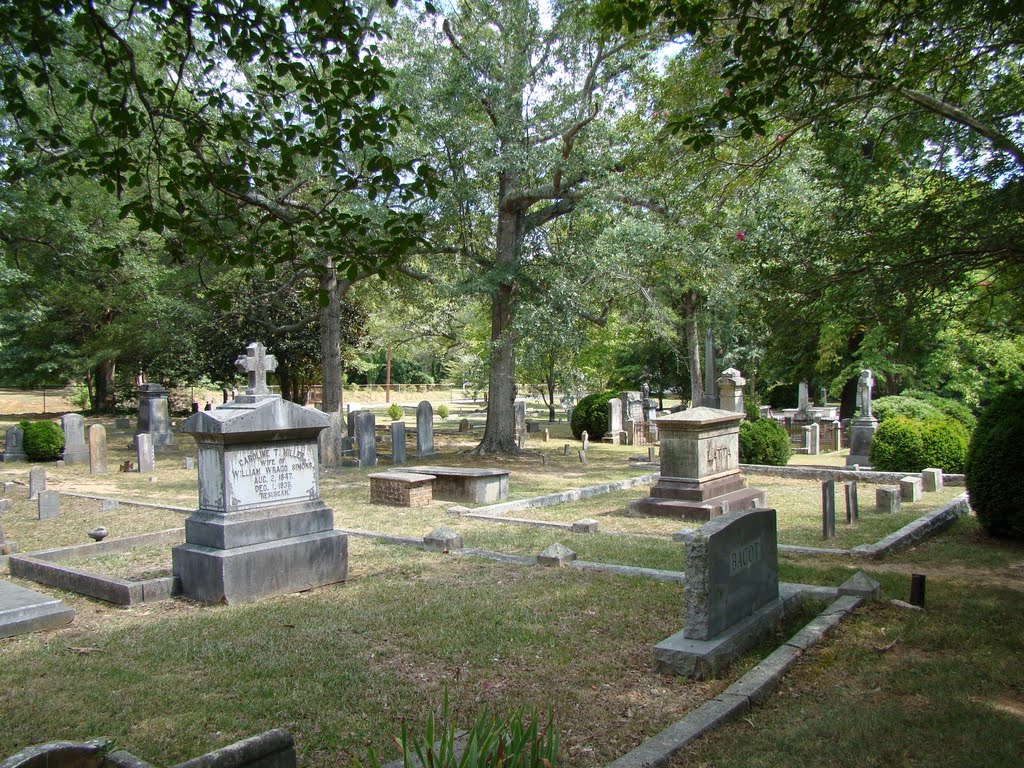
{"type": "Point", "coordinates": [551, 499]}
{"type": "Point", "coordinates": [839, 473]}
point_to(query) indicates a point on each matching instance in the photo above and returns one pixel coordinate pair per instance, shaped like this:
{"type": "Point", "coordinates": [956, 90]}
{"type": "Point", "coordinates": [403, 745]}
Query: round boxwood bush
{"type": "Point", "coordinates": [591, 414]}
{"type": "Point", "coordinates": [903, 444]}
{"type": "Point", "coordinates": [885, 408]}
{"type": "Point", "coordinates": [43, 441]}
{"type": "Point", "coordinates": [395, 411]}
{"type": "Point", "coordinates": [995, 467]}
{"type": "Point", "coordinates": [764, 442]}
{"type": "Point", "coordinates": [945, 444]}
{"type": "Point", "coordinates": [442, 411]}
{"type": "Point", "coordinates": [947, 406]}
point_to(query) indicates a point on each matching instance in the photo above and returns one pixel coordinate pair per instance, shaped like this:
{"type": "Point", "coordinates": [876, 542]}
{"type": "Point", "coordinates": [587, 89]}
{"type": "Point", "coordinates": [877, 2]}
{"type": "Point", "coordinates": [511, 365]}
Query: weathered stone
{"type": "Point", "coordinates": [931, 480]}
{"type": "Point", "coordinates": [49, 505]}
{"type": "Point", "coordinates": [861, 585]}
{"type": "Point", "coordinates": [583, 457]}
{"type": "Point", "coordinates": [465, 426]}
{"type": "Point", "coordinates": [98, 534]}
{"type": "Point", "coordinates": [36, 482]}
{"type": "Point", "coordinates": [910, 489]}
{"type": "Point", "coordinates": [585, 439]}
{"type": "Point", "coordinates": [863, 428]}
{"type": "Point", "coordinates": [14, 446]}
{"type": "Point", "coordinates": [188, 462]}
{"type": "Point", "coordinates": [424, 428]}
{"type": "Point", "coordinates": [22, 610]}
{"type": "Point", "coordinates": [442, 539]}
{"type": "Point", "coordinates": [366, 438]}
{"type": "Point", "coordinates": [477, 486]}
{"type": "Point", "coordinates": [520, 416]}
{"type": "Point", "coordinates": [153, 415]}
{"type": "Point", "coordinates": [812, 439]}
{"type": "Point", "coordinates": [565, 449]}
{"type": "Point", "coordinates": [97, 449]}
{"type": "Point", "coordinates": [5, 505]}
{"type": "Point", "coordinates": [109, 505]}
{"type": "Point", "coordinates": [730, 390]}
{"type": "Point", "coordinates": [586, 525]}
{"type": "Point", "coordinates": [122, 423]}
{"type": "Point", "coordinates": [145, 452]}
{"type": "Point", "coordinates": [852, 507]}
{"type": "Point", "coordinates": [828, 509]}
{"type": "Point", "coordinates": [556, 555]}
{"type": "Point", "coordinates": [887, 499]}
{"type": "Point", "coordinates": [58, 464]}
{"type": "Point", "coordinates": [547, 434]}
{"type": "Point", "coordinates": [652, 453]}
{"type": "Point", "coordinates": [710, 393]}
{"type": "Point", "coordinates": [615, 422]}
{"type": "Point", "coordinates": [397, 443]}
{"type": "Point", "coordinates": [75, 449]}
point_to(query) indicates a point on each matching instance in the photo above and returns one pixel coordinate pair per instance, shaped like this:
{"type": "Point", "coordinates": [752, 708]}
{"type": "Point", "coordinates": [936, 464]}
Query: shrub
{"type": "Point", "coordinates": [752, 408]}
{"type": "Point", "coordinates": [43, 441]}
{"type": "Point", "coordinates": [995, 466]}
{"type": "Point", "coordinates": [395, 411]}
{"type": "Point", "coordinates": [783, 396]}
{"type": "Point", "coordinates": [947, 406]}
{"type": "Point", "coordinates": [897, 405]}
{"type": "Point", "coordinates": [591, 414]}
{"type": "Point", "coordinates": [903, 444]}
{"type": "Point", "coordinates": [764, 442]}
{"type": "Point", "coordinates": [945, 444]}
{"type": "Point", "coordinates": [442, 411]}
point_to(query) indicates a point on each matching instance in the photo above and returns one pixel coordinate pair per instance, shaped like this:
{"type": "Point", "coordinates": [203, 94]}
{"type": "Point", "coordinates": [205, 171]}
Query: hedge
{"type": "Point", "coordinates": [764, 442]}
{"type": "Point", "coordinates": [995, 467]}
{"type": "Point", "coordinates": [43, 440]}
{"type": "Point", "coordinates": [591, 414]}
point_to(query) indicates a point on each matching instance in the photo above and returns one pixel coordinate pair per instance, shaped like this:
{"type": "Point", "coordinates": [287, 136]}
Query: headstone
{"type": "Point", "coordinates": [730, 390]}
{"type": "Point", "coordinates": [731, 595]}
{"type": "Point", "coordinates": [568, 414]}
{"type": "Point", "coordinates": [887, 500]}
{"type": "Point", "coordinates": [652, 453]}
{"type": "Point", "coordinates": [910, 489]}
{"type": "Point", "coordinates": [812, 439]}
{"type": "Point", "coordinates": [366, 438]}
{"type": "Point", "coordinates": [585, 439]}
{"type": "Point", "coordinates": [75, 449]}
{"type": "Point", "coordinates": [615, 424]}
{"type": "Point", "coordinates": [14, 447]}
{"type": "Point", "coordinates": [36, 481]}
{"type": "Point", "coordinates": [823, 397]}
{"type": "Point", "coordinates": [520, 440]}
{"type": "Point", "coordinates": [583, 457]}
{"type": "Point", "coordinates": [520, 413]}
{"type": "Point", "coordinates": [547, 434]}
{"type": "Point", "coordinates": [397, 443]}
{"type": "Point", "coordinates": [188, 462]}
{"type": "Point", "coordinates": [58, 464]}
{"type": "Point", "coordinates": [710, 393]}
{"type": "Point", "coordinates": [424, 428]}
{"type": "Point", "coordinates": [700, 471]}
{"type": "Point", "coordinates": [862, 429]}
{"type": "Point", "coordinates": [442, 539]}
{"type": "Point", "coordinates": [931, 480]}
{"type": "Point", "coordinates": [49, 505]}
{"type": "Point", "coordinates": [828, 509]}
{"type": "Point", "coordinates": [803, 398]}
{"type": "Point", "coordinates": [556, 556]}
{"type": "Point", "coordinates": [109, 505]}
{"type": "Point", "coordinates": [261, 527]}
{"type": "Point", "coordinates": [145, 452]}
{"type": "Point", "coordinates": [5, 505]}
{"type": "Point", "coordinates": [153, 415]}
{"type": "Point", "coordinates": [465, 426]}
{"type": "Point", "coordinates": [565, 450]}
{"type": "Point", "coordinates": [852, 510]}
{"type": "Point", "coordinates": [97, 449]}
{"type": "Point", "coordinates": [353, 413]}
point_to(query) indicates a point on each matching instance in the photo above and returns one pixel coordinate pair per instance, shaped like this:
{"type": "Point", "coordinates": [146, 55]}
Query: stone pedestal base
{"type": "Point", "coordinates": [259, 570]}
{"type": "Point", "coordinates": [862, 432]}
{"type": "Point", "coordinates": [698, 501]}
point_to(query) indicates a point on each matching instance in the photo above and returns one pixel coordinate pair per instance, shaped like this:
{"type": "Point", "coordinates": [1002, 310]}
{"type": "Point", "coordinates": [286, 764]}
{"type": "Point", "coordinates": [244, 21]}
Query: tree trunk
{"type": "Point", "coordinates": [690, 306]}
{"type": "Point", "coordinates": [551, 393]}
{"type": "Point", "coordinates": [330, 338]}
{"type": "Point", "coordinates": [103, 398]}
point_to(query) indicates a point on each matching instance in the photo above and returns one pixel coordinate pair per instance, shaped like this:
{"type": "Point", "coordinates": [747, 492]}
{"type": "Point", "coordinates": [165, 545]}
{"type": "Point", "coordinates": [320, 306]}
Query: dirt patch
{"type": "Point", "coordinates": [1011, 577]}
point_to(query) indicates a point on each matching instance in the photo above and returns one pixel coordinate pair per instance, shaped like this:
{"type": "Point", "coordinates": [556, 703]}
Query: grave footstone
{"type": "Point", "coordinates": [261, 527]}
{"type": "Point", "coordinates": [424, 428]}
{"type": "Point", "coordinates": [442, 539]}
{"type": "Point", "coordinates": [887, 500]}
{"type": "Point", "coordinates": [397, 443]}
{"type": "Point", "coordinates": [931, 480]}
{"type": "Point", "coordinates": [75, 449]}
{"type": "Point", "coordinates": [97, 449]}
{"type": "Point", "coordinates": [14, 446]}
{"type": "Point", "coordinates": [556, 556]}
{"type": "Point", "coordinates": [144, 452]}
{"type": "Point", "coordinates": [910, 489]}
{"type": "Point", "coordinates": [109, 505]}
{"type": "Point", "coordinates": [49, 505]}
{"type": "Point", "coordinates": [565, 450]}
{"type": "Point", "coordinates": [188, 462]}
{"type": "Point", "coordinates": [154, 418]}
{"type": "Point", "coordinates": [366, 438]}
{"type": "Point", "coordinates": [122, 423]}
{"type": "Point", "coordinates": [731, 596]}
{"type": "Point", "coordinates": [36, 482]}
{"type": "Point", "coordinates": [828, 509]}
{"type": "Point", "coordinates": [652, 453]}
{"type": "Point", "coordinates": [852, 510]}
{"type": "Point", "coordinates": [5, 505]}
{"type": "Point", "coordinates": [521, 440]}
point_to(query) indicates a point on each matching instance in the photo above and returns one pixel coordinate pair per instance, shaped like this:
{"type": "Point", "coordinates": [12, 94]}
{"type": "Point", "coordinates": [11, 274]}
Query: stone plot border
{"type": "Point", "coordinates": [44, 567]}
{"type": "Point", "coordinates": [738, 698]}
{"type": "Point", "coordinates": [840, 473]}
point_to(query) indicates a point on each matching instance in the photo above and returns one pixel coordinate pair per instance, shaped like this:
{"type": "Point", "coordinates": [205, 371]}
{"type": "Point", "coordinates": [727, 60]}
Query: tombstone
{"type": "Point", "coordinates": [145, 453]}
{"type": "Point", "coordinates": [465, 426]}
{"type": "Point", "coordinates": [261, 527]}
{"type": "Point", "coordinates": [565, 450]}
{"type": "Point", "coordinates": [366, 438]}
{"type": "Point", "coordinates": [153, 415]}
{"type": "Point", "coordinates": [49, 505]}
{"type": "Point", "coordinates": [520, 440]}
{"type": "Point", "coordinates": [710, 392]}
{"type": "Point", "coordinates": [931, 480]}
{"type": "Point", "coordinates": [97, 449]}
{"type": "Point", "coordinates": [397, 443]}
{"type": "Point", "coordinates": [700, 471]}
{"type": "Point", "coordinates": [731, 595]}
{"type": "Point", "coordinates": [424, 428]}
{"type": "Point", "coordinates": [803, 398]}
{"type": "Point", "coordinates": [122, 423]}
{"type": "Point", "coordinates": [109, 505]}
{"type": "Point", "coordinates": [353, 413]}
{"type": "Point", "coordinates": [583, 457]}
{"type": "Point", "coordinates": [852, 509]}
{"type": "Point", "coordinates": [887, 500]}
{"type": "Point", "coordinates": [652, 453]}
{"type": "Point", "coordinates": [520, 413]}
{"type": "Point", "coordinates": [547, 434]}
{"type": "Point", "coordinates": [910, 488]}
{"type": "Point", "coordinates": [828, 509]}
{"type": "Point", "coordinates": [329, 440]}
{"type": "Point", "coordinates": [75, 449]}
{"type": "Point", "coordinates": [36, 482]}
{"type": "Point", "coordinates": [585, 438]}
{"type": "Point", "coordinates": [615, 425]}
{"type": "Point", "coordinates": [195, 407]}
{"type": "Point", "coordinates": [862, 429]}
{"type": "Point", "coordinates": [208, 406]}
{"type": "Point", "coordinates": [14, 447]}
{"type": "Point", "coordinates": [812, 439]}
{"type": "Point", "coordinates": [730, 390]}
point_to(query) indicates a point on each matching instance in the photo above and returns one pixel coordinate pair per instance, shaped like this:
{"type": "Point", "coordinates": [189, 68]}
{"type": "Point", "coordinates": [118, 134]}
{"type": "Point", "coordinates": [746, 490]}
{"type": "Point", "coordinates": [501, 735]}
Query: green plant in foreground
{"type": "Point", "coordinates": [764, 442]}
{"type": "Point", "coordinates": [995, 467]}
{"type": "Point", "coordinates": [395, 411]}
{"type": "Point", "coordinates": [591, 415]}
{"type": "Point", "coordinates": [43, 441]}
{"type": "Point", "coordinates": [442, 411]}
{"type": "Point", "coordinates": [491, 743]}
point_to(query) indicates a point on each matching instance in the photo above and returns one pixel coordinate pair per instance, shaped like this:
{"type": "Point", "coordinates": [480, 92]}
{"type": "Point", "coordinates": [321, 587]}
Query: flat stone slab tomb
{"type": "Point", "coordinates": [401, 489]}
{"type": "Point", "coordinates": [700, 471]}
{"type": "Point", "coordinates": [23, 610]}
{"type": "Point", "coordinates": [478, 486]}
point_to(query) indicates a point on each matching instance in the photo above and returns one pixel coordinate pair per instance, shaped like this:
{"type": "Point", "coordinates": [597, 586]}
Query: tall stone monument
{"type": "Point", "coordinates": [154, 418]}
{"type": "Point", "coordinates": [700, 469]}
{"type": "Point", "coordinates": [862, 429]}
{"type": "Point", "coordinates": [14, 445]}
{"type": "Point", "coordinates": [75, 449]}
{"type": "Point", "coordinates": [424, 428]}
{"type": "Point", "coordinates": [615, 432]}
{"type": "Point", "coordinates": [261, 527]}
{"type": "Point", "coordinates": [730, 390]}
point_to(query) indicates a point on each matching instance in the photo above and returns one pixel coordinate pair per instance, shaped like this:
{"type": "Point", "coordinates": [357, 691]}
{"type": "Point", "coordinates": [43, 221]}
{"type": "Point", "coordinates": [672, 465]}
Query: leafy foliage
{"type": "Point", "coordinates": [995, 466]}
{"type": "Point", "coordinates": [43, 440]}
{"type": "Point", "coordinates": [764, 442]}
{"type": "Point", "coordinates": [442, 411]}
{"type": "Point", "coordinates": [783, 396]}
{"type": "Point", "coordinates": [889, 407]}
{"type": "Point", "coordinates": [591, 415]}
{"type": "Point", "coordinates": [904, 444]}
{"type": "Point", "coordinates": [946, 406]}
{"type": "Point", "coordinates": [395, 411]}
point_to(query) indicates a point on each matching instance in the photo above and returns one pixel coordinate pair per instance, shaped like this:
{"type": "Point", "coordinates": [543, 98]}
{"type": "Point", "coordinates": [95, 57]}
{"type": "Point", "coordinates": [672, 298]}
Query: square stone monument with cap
{"type": "Point", "coordinates": [154, 418]}
{"type": "Point", "coordinates": [261, 527]}
{"type": "Point", "coordinates": [700, 470]}
{"type": "Point", "coordinates": [863, 428]}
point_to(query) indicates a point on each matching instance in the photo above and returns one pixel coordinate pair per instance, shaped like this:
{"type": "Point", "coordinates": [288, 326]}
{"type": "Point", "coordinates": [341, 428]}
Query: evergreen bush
{"type": "Point", "coordinates": [945, 444]}
{"type": "Point", "coordinates": [442, 411]}
{"type": "Point", "coordinates": [764, 442]}
{"type": "Point", "coordinates": [945, 405]}
{"type": "Point", "coordinates": [898, 405]}
{"type": "Point", "coordinates": [43, 440]}
{"type": "Point", "coordinates": [995, 466]}
{"type": "Point", "coordinates": [903, 444]}
{"type": "Point", "coordinates": [395, 411]}
{"type": "Point", "coordinates": [591, 414]}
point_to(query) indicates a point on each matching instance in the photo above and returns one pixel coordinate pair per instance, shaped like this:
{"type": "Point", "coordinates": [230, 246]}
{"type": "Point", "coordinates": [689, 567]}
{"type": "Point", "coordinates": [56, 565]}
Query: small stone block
{"type": "Point", "coordinates": [931, 480]}
{"type": "Point", "coordinates": [565, 450]}
{"type": "Point", "coordinates": [5, 505]}
{"type": "Point", "coordinates": [861, 585]}
{"type": "Point", "coordinates": [442, 539]}
{"type": "Point", "coordinates": [910, 489]}
{"type": "Point", "coordinates": [8, 487]}
{"type": "Point", "coordinates": [586, 525]}
{"type": "Point", "coordinates": [887, 499]}
{"type": "Point", "coordinates": [556, 555]}
{"type": "Point", "coordinates": [188, 462]}
{"type": "Point", "coordinates": [583, 457]}
{"type": "Point", "coordinates": [109, 505]}
{"type": "Point", "coordinates": [59, 464]}
{"type": "Point", "coordinates": [49, 505]}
